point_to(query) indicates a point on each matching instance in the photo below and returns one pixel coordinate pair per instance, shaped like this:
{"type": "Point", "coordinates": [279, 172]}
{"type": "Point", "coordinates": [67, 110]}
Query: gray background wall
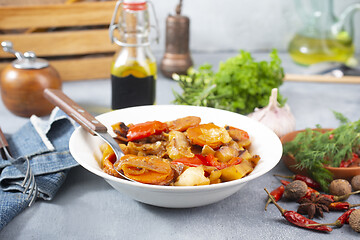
{"type": "Point", "coordinates": [230, 25]}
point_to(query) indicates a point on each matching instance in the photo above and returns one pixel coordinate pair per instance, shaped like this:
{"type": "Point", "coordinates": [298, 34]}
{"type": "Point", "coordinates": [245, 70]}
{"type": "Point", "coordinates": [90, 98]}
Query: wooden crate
{"type": "Point", "coordinates": [73, 37]}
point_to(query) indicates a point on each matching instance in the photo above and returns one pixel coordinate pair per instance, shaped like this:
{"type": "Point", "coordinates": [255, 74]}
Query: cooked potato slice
{"type": "Point", "coordinates": [246, 155]}
{"type": "Point", "coordinates": [226, 153]}
{"type": "Point", "coordinates": [236, 171]}
{"type": "Point", "coordinates": [215, 176]}
{"type": "Point", "coordinates": [254, 160]}
{"type": "Point", "coordinates": [206, 150]}
{"type": "Point", "coordinates": [193, 176]}
{"type": "Point", "coordinates": [103, 147]}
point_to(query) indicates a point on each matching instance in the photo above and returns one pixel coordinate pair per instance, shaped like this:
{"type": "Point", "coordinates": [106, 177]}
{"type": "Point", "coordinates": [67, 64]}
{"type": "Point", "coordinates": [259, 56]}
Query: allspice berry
{"type": "Point", "coordinates": [354, 220]}
{"type": "Point", "coordinates": [339, 187]}
{"type": "Point", "coordinates": [295, 190]}
{"type": "Point", "coordinates": [355, 183]}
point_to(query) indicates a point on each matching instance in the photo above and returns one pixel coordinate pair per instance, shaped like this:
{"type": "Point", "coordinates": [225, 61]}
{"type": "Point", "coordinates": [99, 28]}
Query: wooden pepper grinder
{"type": "Point", "coordinates": [23, 81]}
{"type": "Point", "coordinates": [177, 57]}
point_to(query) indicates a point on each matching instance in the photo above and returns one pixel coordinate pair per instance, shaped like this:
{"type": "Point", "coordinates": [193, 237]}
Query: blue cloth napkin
{"type": "Point", "coordinates": [46, 144]}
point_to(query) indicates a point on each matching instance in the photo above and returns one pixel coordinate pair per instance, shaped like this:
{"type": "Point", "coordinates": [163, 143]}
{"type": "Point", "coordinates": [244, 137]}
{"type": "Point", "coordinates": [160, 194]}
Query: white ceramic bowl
{"type": "Point", "coordinates": [85, 149]}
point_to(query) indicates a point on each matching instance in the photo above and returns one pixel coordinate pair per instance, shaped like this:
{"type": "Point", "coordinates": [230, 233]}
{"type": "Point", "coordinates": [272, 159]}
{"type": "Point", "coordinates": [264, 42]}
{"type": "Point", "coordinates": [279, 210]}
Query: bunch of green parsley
{"type": "Point", "coordinates": [240, 85]}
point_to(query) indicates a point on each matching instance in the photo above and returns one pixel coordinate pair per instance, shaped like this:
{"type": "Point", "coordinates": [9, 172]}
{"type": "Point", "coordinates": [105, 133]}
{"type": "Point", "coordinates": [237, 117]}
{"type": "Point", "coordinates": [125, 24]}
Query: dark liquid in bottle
{"type": "Point", "coordinates": [131, 91]}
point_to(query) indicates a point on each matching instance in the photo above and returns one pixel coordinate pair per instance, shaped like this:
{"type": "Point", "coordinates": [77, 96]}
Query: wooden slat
{"type": "Point", "coordinates": [321, 78]}
{"type": "Point", "coordinates": [83, 69]}
{"type": "Point", "coordinates": [80, 69]}
{"type": "Point", "coordinates": [61, 15]}
{"type": "Point", "coordinates": [29, 2]}
{"type": "Point", "coordinates": [61, 43]}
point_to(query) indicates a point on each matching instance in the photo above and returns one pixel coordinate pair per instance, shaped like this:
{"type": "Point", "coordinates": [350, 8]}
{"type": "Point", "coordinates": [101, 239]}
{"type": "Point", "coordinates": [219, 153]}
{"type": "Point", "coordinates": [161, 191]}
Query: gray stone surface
{"type": "Point", "coordinates": [86, 207]}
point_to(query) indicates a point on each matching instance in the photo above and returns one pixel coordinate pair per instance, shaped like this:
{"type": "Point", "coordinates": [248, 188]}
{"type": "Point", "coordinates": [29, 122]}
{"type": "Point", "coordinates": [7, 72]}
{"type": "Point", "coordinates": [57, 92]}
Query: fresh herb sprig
{"type": "Point", "coordinates": [240, 85]}
{"type": "Point", "coordinates": [197, 86]}
{"type": "Point", "coordinates": [312, 149]}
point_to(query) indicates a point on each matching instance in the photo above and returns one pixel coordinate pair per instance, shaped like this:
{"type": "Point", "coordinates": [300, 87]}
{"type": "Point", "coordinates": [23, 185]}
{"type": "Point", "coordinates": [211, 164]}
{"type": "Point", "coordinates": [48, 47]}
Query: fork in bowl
{"type": "Point", "coordinates": [29, 183]}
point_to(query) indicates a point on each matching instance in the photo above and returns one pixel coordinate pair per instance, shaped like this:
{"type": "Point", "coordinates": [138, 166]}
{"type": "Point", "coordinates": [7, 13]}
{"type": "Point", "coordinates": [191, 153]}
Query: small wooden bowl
{"type": "Point", "coordinates": [289, 161]}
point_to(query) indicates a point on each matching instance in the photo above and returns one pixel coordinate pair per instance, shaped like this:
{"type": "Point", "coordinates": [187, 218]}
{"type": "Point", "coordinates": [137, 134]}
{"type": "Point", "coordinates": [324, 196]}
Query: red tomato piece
{"type": "Point", "coordinates": [146, 129]}
{"type": "Point", "coordinates": [198, 160]}
{"type": "Point", "coordinates": [209, 160]}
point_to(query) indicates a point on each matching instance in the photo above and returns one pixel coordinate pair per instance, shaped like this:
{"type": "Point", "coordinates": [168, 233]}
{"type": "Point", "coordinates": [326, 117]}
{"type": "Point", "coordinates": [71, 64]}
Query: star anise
{"type": "Point", "coordinates": [315, 205]}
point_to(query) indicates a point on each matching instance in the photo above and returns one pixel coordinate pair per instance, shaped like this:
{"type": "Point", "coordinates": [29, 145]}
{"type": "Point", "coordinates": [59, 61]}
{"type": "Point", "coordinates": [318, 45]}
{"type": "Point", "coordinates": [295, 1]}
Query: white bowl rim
{"type": "Point", "coordinates": [247, 178]}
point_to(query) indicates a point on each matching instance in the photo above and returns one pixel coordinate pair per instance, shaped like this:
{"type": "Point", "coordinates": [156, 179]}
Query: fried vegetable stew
{"type": "Point", "coordinates": [182, 152]}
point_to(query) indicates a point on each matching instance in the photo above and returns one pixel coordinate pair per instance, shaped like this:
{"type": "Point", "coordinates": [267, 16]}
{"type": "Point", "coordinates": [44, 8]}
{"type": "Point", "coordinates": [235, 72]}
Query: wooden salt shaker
{"type": "Point", "coordinates": [23, 81]}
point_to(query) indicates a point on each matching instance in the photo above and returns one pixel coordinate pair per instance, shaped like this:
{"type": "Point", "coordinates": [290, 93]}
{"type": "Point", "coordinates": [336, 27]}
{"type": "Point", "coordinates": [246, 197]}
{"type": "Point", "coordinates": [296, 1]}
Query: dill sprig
{"type": "Point", "coordinates": [312, 149]}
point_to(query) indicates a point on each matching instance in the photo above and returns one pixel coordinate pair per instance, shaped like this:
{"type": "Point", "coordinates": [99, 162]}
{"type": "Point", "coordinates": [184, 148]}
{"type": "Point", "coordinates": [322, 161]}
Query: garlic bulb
{"type": "Point", "coordinates": [279, 119]}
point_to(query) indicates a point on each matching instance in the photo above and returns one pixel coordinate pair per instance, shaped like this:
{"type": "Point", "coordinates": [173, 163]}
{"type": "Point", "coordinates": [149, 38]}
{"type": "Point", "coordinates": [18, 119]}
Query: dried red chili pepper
{"type": "Point", "coordinates": [277, 194]}
{"type": "Point", "coordinates": [298, 219]}
{"type": "Point", "coordinates": [350, 161]}
{"type": "Point", "coordinates": [343, 219]}
{"type": "Point", "coordinates": [340, 206]}
{"type": "Point", "coordinates": [309, 192]}
{"type": "Point", "coordinates": [310, 182]}
{"type": "Point", "coordinates": [342, 197]}
{"type": "Point", "coordinates": [332, 197]}
{"type": "Point", "coordinates": [283, 182]}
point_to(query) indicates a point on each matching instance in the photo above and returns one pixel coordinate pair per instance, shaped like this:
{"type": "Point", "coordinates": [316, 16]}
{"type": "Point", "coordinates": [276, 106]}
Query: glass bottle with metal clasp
{"type": "Point", "coordinates": [133, 70]}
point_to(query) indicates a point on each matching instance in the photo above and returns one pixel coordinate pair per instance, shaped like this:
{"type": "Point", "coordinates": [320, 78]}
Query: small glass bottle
{"type": "Point", "coordinates": [133, 70]}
